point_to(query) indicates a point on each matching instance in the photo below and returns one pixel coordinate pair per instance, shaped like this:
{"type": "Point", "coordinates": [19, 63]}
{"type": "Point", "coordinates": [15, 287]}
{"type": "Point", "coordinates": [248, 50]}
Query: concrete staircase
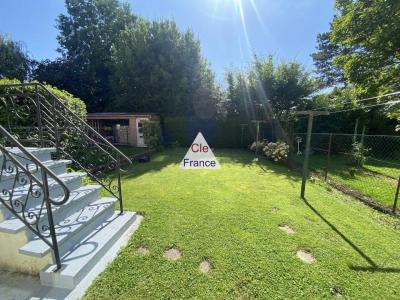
{"type": "Point", "coordinates": [86, 225]}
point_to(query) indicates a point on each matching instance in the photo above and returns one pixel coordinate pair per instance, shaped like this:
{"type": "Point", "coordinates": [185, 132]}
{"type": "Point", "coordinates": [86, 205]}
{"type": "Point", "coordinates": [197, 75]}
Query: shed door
{"type": "Point", "coordinates": [139, 135]}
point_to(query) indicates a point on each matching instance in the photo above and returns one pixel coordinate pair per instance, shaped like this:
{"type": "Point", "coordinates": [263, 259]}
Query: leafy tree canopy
{"type": "Point", "coordinates": [87, 33]}
{"type": "Point", "coordinates": [156, 67]}
{"type": "Point", "coordinates": [363, 47]}
{"type": "Point", "coordinates": [329, 73]}
{"type": "Point", "coordinates": [14, 61]}
{"type": "Point", "coordinates": [267, 90]}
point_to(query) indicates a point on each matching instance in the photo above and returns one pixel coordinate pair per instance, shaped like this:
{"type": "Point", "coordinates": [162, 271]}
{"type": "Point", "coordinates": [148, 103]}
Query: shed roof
{"type": "Point", "coordinates": [118, 114]}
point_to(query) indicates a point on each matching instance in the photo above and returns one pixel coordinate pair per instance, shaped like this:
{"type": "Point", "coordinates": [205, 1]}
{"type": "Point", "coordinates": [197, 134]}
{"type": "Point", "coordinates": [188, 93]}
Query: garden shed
{"type": "Point", "coordinates": [121, 128]}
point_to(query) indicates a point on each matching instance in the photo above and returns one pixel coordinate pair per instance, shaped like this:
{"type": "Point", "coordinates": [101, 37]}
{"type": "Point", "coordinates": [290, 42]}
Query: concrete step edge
{"type": "Point", "coordinates": [15, 225]}
{"type": "Point", "coordinates": [39, 248]}
{"type": "Point", "coordinates": [82, 259]}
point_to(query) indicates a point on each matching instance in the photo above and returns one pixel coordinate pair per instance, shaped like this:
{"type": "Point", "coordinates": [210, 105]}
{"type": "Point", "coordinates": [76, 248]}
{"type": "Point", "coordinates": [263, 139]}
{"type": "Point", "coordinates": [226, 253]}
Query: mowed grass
{"type": "Point", "coordinates": [230, 217]}
{"type": "Point", "coordinates": [378, 185]}
{"type": "Point", "coordinates": [388, 168]}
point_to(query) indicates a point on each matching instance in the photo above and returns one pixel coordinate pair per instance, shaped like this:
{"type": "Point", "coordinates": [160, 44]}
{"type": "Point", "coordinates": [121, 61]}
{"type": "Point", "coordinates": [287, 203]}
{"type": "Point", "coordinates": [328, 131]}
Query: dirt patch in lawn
{"type": "Point", "coordinates": [205, 266]}
{"type": "Point", "coordinates": [305, 256]}
{"type": "Point", "coordinates": [172, 254]}
{"type": "Point", "coordinates": [143, 250]}
{"type": "Point", "coordinates": [286, 228]}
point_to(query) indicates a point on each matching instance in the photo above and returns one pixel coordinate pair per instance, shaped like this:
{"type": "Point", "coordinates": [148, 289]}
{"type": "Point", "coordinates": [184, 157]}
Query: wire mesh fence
{"type": "Point", "coordinates": [365, 166]}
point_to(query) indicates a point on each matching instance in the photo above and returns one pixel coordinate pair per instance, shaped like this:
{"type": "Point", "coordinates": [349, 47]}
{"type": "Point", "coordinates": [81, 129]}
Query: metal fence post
{"type": "Point", "coordinates": [56, 130]}
{"type": "Point", "coordinates": [39, 116]}
{"type": "Point", "coordinates": [355, 131]}
{"type": "Point", "coordinates": [258, 133]}
{"type": "Point", "coordinates": [46, 196]}
{"type": "Point", "coordinates": [311, 114]}
{"type": "Point", "coordinates": [396, 197]}
{"type": "Point", "coordinates": [121, 207]}
{"type": "Point", "coordinates": [362, 136]}
{"type": "Point", "coordinates": [307, 155]}
{"type": "Point", "coordinates": [328, 159]}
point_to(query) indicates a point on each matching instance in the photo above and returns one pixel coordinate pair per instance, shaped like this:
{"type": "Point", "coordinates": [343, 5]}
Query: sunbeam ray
{"type": "Point", "coordinates": [260, 20]}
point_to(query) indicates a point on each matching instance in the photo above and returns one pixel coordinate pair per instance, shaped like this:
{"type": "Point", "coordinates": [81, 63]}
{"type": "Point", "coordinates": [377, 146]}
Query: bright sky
{"type": "Point", "coordinates": [229, 30]}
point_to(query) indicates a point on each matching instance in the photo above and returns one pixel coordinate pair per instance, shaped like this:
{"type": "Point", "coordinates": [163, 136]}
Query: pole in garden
{"type": "Point", "coordinates": [241, 139]}
{"type": "Point", "coordinates": [328, 158]}
{"type": "Point", "coordinates": [311, 114]}
{"type": "Point", "coordinates": [355, 131]}
{"type": "Point", "coordinates": [396, 197]}
{"type": "Point", "coordinates": [363, 136]}
{"type": "Point", "coordinates": [258, 132]}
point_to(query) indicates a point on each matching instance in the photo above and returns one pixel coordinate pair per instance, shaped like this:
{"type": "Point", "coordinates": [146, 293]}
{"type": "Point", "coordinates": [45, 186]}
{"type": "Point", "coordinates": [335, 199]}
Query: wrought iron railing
{"type": "Point", "coordinates": [27, 194]}
{"type": "Point", "coordinates": [37, 116]}
{"type": "Point", "coordinates": [32, 115]}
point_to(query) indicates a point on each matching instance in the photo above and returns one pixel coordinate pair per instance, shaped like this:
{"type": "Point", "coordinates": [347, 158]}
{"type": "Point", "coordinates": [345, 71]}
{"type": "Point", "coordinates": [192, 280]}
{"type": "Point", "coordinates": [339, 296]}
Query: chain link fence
{"type": "Point", "coordinates": [364, 166]}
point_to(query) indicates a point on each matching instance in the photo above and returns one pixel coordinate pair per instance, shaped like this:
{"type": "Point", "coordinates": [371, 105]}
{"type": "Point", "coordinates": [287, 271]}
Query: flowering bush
{"type": "Point", "coordinates": [277, 151]}
{"type": "Point", "coordinates": [260, 145]}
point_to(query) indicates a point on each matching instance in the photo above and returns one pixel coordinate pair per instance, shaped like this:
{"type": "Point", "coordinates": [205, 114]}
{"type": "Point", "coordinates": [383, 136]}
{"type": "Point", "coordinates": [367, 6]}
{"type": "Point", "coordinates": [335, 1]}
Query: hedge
{"type": "Point", "coordinates": [72, 102]}
{"type": "Point", "coordinates": [221, 133]}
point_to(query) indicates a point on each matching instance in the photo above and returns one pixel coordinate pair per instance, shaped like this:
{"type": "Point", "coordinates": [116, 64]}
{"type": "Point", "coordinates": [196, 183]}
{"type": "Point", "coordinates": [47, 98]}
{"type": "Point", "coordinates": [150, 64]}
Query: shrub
{"type": "Point", "coordinates": [152, 133]}
{"type": "Point", "coordinates": [21, 114]}
{"type": "Point", "coordinates": [359, 154]}
{"type": "Point", "coordinates": [72, 102]}
{"type": "Point", "coordinates": [259, 146]}
{"type": "Point", "coordinates": [277, 151]}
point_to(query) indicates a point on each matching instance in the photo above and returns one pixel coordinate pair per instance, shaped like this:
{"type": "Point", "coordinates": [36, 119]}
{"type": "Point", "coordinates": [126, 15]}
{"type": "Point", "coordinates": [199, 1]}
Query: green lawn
{"type": "Point", "coordinates": [380, 187]}
{"type": "Point", "coordinates": [389, 168]}
{"type": "Point", "coordinates": [227, 216]}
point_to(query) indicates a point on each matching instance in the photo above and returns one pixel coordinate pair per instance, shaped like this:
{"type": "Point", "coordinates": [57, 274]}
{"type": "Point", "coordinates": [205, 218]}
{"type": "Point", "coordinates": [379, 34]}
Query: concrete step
{"type": "Point", "coordinates": [7, 180]}
{"type": "Point", "coordinates": [73, 228]}
{"type": "Point", "coordinates": [86, 253]}
{"type": "Point", "coordinates": [78, 199]}
{"type": "Point", "coordinates": [22, 194]}
{"type": "Point", "coordinates": [43, 154]}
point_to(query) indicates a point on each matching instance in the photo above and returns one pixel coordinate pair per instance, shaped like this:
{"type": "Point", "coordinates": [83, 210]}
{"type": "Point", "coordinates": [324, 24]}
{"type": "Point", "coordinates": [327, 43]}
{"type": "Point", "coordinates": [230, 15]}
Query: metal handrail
{"type": "Point", "coordinates": [54, 119]}
{"type": "Point", "coordinates": [38, 163]}
{"type": "Point", "coordinates": [22, 215]}
{"type": "Point", "coordinates": [49, 110]}
{"type": "Point", "coordinates": [87, 126]}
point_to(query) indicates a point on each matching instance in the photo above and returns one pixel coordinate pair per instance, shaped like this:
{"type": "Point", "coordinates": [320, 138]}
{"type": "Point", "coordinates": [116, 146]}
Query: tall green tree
{"type": "Point", "coordinates": [363, 45]}
{"type": "Point", "coordinates": [158, 68]}
{"type": "Point", "coordinates": [269, 90]}
{"type": "Point", "coordinates": [362, 49]}
{"type": "Point", "coordinates": [87, 32]}
{"type": "Point", "coordinates": [370, 30]}
{"type": "Point", "coordinates": [14, 61]}
{"type": "Point", "coordinates": [329, 73]}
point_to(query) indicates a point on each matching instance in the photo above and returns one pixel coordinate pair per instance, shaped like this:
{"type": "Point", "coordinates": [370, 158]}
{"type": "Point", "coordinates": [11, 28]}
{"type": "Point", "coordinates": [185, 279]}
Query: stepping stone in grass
{"type": "Point", "coordinates": [143, 250]}
{"type": "Point", "coordinates": [335, 291]}
{"type": "Point", "coordinates": [305, 256]}
{"type": "Point", "coordinates": [204, 266]}
{"type": "Point", "coordinates": [172, 254]}
{"type": "Point", "coordinates": [287, 228]}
